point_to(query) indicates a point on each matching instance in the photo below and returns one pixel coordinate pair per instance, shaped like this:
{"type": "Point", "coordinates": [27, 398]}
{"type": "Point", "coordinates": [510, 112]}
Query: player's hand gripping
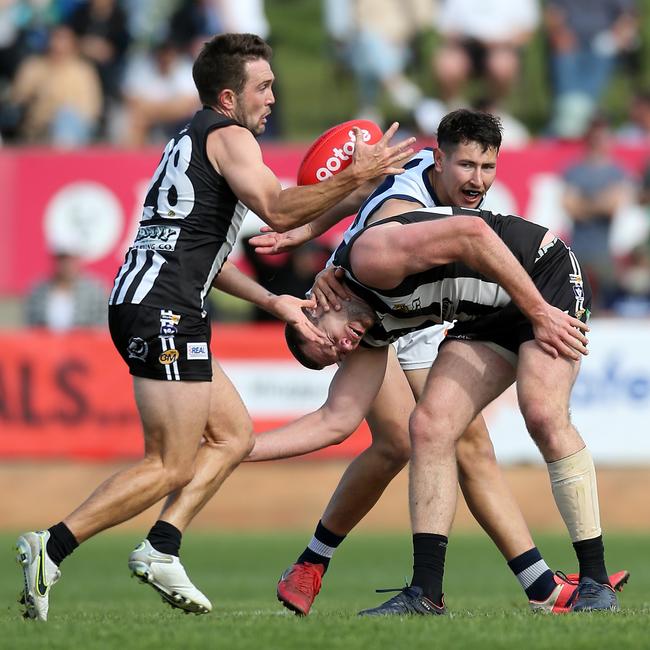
{"type": "Point", "coordinates": [272, 243]}
{"type": "Point", "coordinates": [290, 310]}
{"type": "Point", "coordinates": [560, 334]}
{"type": "Point", "coordinates": [372, 160]}
{"type": "Point", "coordinates": [329, 290]}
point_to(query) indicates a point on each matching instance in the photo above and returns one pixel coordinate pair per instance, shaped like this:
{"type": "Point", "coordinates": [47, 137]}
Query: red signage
{"type": "Point", "coordinates": [95, 196]}
{"type": "Point", "coordinates": [71, 396]}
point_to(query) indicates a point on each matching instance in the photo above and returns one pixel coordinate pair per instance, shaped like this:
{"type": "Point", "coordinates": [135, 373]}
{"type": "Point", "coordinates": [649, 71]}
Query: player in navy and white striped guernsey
{"type": "Point", "coordinates": [492, 273]}
{"type": "Point", "coordinates": [459, 172]}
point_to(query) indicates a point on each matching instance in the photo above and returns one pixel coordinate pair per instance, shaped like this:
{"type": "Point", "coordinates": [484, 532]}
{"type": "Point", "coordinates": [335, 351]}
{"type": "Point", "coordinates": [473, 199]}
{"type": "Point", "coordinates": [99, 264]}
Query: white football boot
{"type": "Point", "coordinates": [39, 573]}
{"type": "Point", "coordinates": [166, 575]}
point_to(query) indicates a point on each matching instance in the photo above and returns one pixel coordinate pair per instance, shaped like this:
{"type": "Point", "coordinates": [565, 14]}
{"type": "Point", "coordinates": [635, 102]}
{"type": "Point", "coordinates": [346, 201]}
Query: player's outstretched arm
{"type": "Point", "coordinates": [235, 154]}
{"type": "Point", "coordinates": [287, 308]}
{"type": "Point", "coordinates": [272, 243]}
{"type": "Point", "coordinates": [352, 391]}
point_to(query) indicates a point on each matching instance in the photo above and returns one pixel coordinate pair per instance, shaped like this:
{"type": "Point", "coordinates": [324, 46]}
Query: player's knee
{"type": "Point", "coordinates": [178, 476]}
{"type": "Point", "coordinates": [425, 429]}
{"type": "Point", "coordinates": [245, 443]}
{"type": "Point", "coordinates": [543, 421]}
{"type": "Point", "coordinates": [235, 441]}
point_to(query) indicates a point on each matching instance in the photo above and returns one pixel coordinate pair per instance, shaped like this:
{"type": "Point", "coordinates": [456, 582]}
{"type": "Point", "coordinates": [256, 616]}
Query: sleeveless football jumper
{"type": "Point", "coordinates": [481, 309]}
{"type": "Point", "coordinates": [189, 224]}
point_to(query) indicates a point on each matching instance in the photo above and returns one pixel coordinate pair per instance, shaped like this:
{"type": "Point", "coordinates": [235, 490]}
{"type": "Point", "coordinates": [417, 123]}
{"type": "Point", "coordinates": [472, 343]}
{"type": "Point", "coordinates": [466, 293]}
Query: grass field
{"type": "Point", "coordinates": [96, 606]}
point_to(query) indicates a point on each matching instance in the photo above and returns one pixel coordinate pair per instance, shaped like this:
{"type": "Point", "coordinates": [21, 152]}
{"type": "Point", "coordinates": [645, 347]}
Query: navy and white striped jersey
{"type": "Point", "coordinates": [446, 292]}
{"type": "Point", "coordinates": [413, 185]}
{"type": "Point", "coordinates": [189, 224]}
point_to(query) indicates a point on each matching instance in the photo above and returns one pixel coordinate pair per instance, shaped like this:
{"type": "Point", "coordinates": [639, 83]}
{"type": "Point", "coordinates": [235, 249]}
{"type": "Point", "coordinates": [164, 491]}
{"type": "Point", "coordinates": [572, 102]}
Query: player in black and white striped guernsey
{"type": "Point", "coordinates": [519, 299]}
{"type": "Point", "coordinates": [210, 173]}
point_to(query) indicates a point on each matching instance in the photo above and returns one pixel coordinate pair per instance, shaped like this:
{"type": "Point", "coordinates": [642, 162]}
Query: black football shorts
{"type": "Point", "coordinates": [558, 277]}
{"type": "Point", "coordinates": [160, 343]}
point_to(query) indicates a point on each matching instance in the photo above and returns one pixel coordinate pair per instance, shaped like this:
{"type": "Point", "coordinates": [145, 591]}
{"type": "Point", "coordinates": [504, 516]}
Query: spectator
{"type": "Point", "coordinates": [9, 40]}
{"type": "Point", "coordinates": [633, 262]}
{"type": "Point", "coordinates": [24, 30]}
{"type": "Point", "coordinates": [246, 16]}
{"type": "Point", "coordinates": [159, 94]}
{"type": "Point", "coordinates": [636, 130]}
{"type": "Point", "coordinates": [69, 298]}
{"type": "Point", "coordinates": [585, 38]}
{"type": "Point", "coordinates": [481, 39]}
{"type": "Point", "coordinates": [101, 26]}
{"type": "Point", "coordinates": [58, 94]}
{"type": "Point", "coordinates": [375, 38]}
{"type": "Point", "coordinates": [193, 22]}
{"type": "Point", "coordinates": [596, 189]}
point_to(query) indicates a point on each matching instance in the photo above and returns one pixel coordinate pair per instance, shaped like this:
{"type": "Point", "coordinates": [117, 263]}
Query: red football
{"type": "Point", "coordinates": [333, 151]}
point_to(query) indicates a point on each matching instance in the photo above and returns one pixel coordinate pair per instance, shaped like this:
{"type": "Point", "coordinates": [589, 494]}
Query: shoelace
{"type": "Point", "coordinates": [308, 581]}
{"type": "Point", "coordinates": [563, 576]}
{"type": "Point", "coordinates": [387, 591]}
{"type": "Point", "coordinates": [408, 602]}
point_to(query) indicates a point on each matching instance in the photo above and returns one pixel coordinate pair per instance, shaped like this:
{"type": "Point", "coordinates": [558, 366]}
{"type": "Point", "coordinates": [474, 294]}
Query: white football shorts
{"type": "Point", "coordinates": [419, 349]}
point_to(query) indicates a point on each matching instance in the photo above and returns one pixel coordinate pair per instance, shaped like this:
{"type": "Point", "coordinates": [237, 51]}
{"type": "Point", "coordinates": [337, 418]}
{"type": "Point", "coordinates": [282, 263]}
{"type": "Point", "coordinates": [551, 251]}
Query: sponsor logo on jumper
{"type": "Point", "coordinates": [339, 154]}
{"type": "Point", "coordinates": [137, 348]}
{"type": "Point", "coordinates": [159, 238]}
{"type": "Point", "coordinates": [412, 306]}
{"type": "Point", "coordinates": [168, 322]}
{"type": "Point", "coordinates": [168, 356]}
{"type": "Point", "coordinates": [197, 350]}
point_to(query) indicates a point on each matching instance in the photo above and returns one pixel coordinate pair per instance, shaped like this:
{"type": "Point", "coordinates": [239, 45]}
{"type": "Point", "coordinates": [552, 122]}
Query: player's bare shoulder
{"type": "Point", "coordinates": [228, 144]}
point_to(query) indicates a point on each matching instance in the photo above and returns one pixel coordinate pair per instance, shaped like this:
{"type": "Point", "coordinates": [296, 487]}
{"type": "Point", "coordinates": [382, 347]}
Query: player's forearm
{"type": "Point", "coordinates": [296, 206]}
{"type": "Point", "coordinates": [238, 284]}
{"type": "Point", "coordinates": [310, 433]}
{"type": "Point", "coordinates": [487, 253]}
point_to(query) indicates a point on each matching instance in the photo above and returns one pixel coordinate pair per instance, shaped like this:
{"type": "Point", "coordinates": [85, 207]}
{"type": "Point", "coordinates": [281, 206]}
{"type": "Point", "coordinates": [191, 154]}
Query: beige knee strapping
{"type": "Point", "coordinates": [573, 481]}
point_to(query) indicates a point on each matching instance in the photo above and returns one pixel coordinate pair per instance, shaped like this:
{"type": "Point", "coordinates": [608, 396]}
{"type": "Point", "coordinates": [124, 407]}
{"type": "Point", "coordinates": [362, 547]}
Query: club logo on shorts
{"type": "Point", "coordinates": [168, 356]}
{"type": "Point", "coordinates": [197, 350]}
{"type": "Point", "coordinates": [168, 322]}
{"type": "Point", "coordinates": [137, 348]}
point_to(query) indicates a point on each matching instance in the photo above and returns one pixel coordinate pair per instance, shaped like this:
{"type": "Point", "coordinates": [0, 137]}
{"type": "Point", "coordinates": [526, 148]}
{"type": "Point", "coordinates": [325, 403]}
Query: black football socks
{"type": "Point", "coordinates": [429, 551]}
{"type": "Point", "coordinates": [165, 538]}
{"type": "Point", "coordinates": [61, 543]}
{"type": "Point", "coordinates": [321, 547]}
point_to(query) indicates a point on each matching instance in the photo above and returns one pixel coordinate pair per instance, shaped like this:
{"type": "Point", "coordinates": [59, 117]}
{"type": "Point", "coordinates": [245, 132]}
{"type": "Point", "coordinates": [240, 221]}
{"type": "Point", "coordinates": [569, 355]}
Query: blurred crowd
{"type": "Point", "coordinates": [75, 72]}
{"type": "Point", "coordinates": [78, 72]}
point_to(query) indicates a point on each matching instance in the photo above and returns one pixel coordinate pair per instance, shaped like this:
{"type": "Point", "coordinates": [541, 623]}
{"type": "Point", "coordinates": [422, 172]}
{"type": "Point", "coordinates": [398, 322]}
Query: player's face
{"type": "Point", "coordinates": [253, 104]}
{"type": "Point", "coordinates": [464, 174]}
{"type": "Point", "coordinates": [344, 330]}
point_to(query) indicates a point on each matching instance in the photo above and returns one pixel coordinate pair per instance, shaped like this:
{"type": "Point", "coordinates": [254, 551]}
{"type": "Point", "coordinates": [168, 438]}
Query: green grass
{"type": "Point", "coordinates": [96, 606]}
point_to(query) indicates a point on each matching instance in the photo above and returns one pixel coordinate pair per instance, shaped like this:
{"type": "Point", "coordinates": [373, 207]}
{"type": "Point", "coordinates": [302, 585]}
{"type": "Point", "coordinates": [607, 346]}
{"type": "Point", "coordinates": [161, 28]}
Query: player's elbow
{"type": "Point", "coordinates": [278, 220]}
{"type": "Point", "coordinates": [472, 234]}
{"type": "Point", "coordinates": [338, 428]}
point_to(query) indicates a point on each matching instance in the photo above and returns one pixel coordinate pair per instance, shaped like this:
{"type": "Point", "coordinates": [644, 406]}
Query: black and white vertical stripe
{"type": "Point", "coordinates": [171, 369]}
{"type": "Point", "coordinates": [136, 277]}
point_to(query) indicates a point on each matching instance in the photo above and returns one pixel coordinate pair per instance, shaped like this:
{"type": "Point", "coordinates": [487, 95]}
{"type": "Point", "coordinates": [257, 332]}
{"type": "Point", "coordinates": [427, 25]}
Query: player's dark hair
{"type": "Point", "coordinates": [465, 125]}
{"type": "Point", "coordinates": [294, 343]}
{"type": "Point", "coordinates": [221, 64]}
